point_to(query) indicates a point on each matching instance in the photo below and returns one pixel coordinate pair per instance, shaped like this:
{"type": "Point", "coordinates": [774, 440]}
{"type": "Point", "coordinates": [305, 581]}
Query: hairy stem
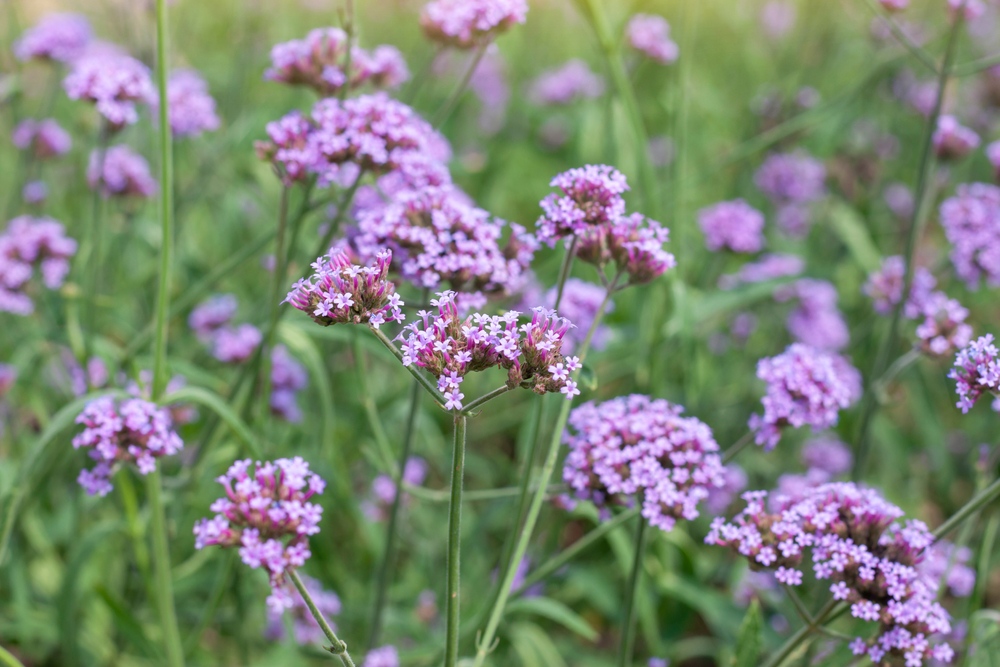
{"type": "Point", "coordinates": [455, 543]}
{"type": "Point", "coordinates": [337, 646]}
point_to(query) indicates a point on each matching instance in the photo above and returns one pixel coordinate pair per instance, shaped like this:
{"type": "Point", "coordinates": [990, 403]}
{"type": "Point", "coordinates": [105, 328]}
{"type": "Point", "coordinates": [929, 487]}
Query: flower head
{"type": "Point", "coordinates": [733, 225]}
{"type": "Point", "coordinates": [828, 454]}
{"type": "Point", "coordinates": [816, 321]}
{"type": "Point", "coordinates": [885, 287]}
{"type": "Point", "coordinates": [567, 83]}
{"type": "Point", "coordinates": [212, 314]}
{"type": "Point", "coordinates": [971, 221]}
{"type": "Point", "coordinates": [976, 371]}
{"type": "Point", "coordinates": [944, 329]}
{"type": "Point", "coordinates": [288, 377]}
{"type": "Point", "coordinates": [113, 82]}
{"type": "Point", "coordinates": [952, 140]}
{"type": "Point", "coordinates": [385, 656]}
{"type": "Point", "coordinates": [791, 178]}
{"type": "Point", "coordinates": [26, 245]}
{"type": "Point", "coordinates": [60, 37]}
{"type": "Point", "coordinates": [120, 172]}
{"type": "Point", "coordinates": [234, 345]}
{"type": "Point", "coordinates": [190, 107]}
{"type": "Point", "coordinates": [44, 138]}
{"type": "Point", "coordinates": [650, 35]}
{"type": "Point", "coordinates": [465, 24]}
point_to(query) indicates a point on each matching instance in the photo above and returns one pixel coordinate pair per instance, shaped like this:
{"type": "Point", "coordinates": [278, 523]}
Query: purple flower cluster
{"type": "Point", "coordinates": [971, 221]}
{"type": "Point", "coordinates": [952, 140]}
{"type": "Point", "coordinates": [190, 107]}
{"type": "Point", "coordinates": [44, 138]}
{"type": "Point", "coordinates": [211, 315]}
{"type": "Point", "coordinates": [25, 245]}
{"type": "Point", "coordinates": [115, 83]}
{"type": "Point", "coordinates": [318, 62]}
{"type": "Point", "coordinates": [449, 348]}
{"type": "Point", "coordinates": [894, 5]}
{"type": "Point", "coordinates": [943, 329]}
{"type": "Point", "coordinates": [465, 24]}
{"type": "Point", "coordinates": [580, 302]}
{"type": "Point", "coordinates": [816, 321]}
{"type": "Point", "coordinates": [129, 431]}
{"type": "Point", "coordinates": [288, 377]}
{"type": "Point", "coordinates": [234, 345]}
{"type": "Point", "coordinates": [650, 35]}
{"type": "Point", "coordinates": [768, 267]}
{"type": "Point", "coordinates": [120, 172]}
{"type": "Point", "coordinates": [805, 386]}
{"type": "Point", "coordinates": [267, 514]}
{"type": "Point", "coordinates": [344, 293]}
{"type": "Point", "coordinates": [789, 178]}
{"type": "Point", "coordinates": [638, 446]}
{"type": "Point", "coordinates": [60, 37]}
{"type": "Point", "coordinates": [976, 372]}
{"type": "Point", "coordinates": [305, 629]}
{"type": "Point", "coordinates": [885, 287]}
{"type": "Point", "coordinates": [384, 656]}
{"type": "Point", "coordinates": [828, 454]}
{"type": "Point", "coordinates": [857, 543]}
{"type": "Point", "coordinates": [565, 84]}
{"type": "Point", "coordinates": [734, 225]}
{"type": "Point", "coordinates": [944, 559]}
{"type": "Point", "coordinates": [383, 491]}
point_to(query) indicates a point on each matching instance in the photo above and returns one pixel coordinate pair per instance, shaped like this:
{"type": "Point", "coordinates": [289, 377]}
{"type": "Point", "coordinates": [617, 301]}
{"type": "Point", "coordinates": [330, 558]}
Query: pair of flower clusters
{"type": "Point", "coordinates": [29, 243]}
{"type": "Point", "coordinates": [449, 348]}
{"type": "Point", "coordinates": [857, 543]}
{"type": "Point", "coordinates": [267, 514]}
{"type": "Point", "coordinates": [637, 446]}
{"type": "Point", "coordinates": [465, 24]}
{"type": "Point", "coordinates": [805, 386]}
{"type": "Point", "coordinates": [340, 292]}
{"type": "Point", "coordinates": [129, 431]}
{"type": "Point", "coordinates": [591, 209]}
{"type": "Point", "coordinates": [319, 60]}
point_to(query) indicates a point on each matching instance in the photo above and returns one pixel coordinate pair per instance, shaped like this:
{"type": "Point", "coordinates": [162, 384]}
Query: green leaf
{"type": "Point", "coordinates": [554, 611]}
{"type": "Point", "coordinates": [534, 647]}
{"type": "Point", "coordinates": [127, 624]}
{"type": "Point", "coordinates": [851, 229]}
{"type": "Point", "coordinates": [217, 404]}
{"type": "Point", "coordinates": [749, 640]}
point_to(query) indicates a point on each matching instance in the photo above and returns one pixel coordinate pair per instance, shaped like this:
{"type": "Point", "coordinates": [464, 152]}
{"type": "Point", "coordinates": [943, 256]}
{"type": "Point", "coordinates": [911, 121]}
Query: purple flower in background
{"type": "Point", "coordinates": [828, 454]}
{"type": "Point", "coordinates": [288, 377]}
{"type": "Point", "coordinates": [944, 329]}
{"type": "Point", "coordinates": [26, 245]}
{"type": "Point", "coordinates": [805, 386]}
{"type": "Point", "coordinates": [234, 345]}
{"type": "Point", "coordinates": [971, 221]}
{"type": "Point", "coordinates": [768, 267]}
{"type": "Point", "coordinates": [565, 84]}
{"type": "Point", "coordinates": [190, 107]}
{"type": "Point", "coordinates": [267, 514]}
{"type": "Point", "coordinates": [128, 431]}
{"type": "Point", "coordinates": [8, 376]}
{"type": "Point", "coordinates": [650, 34]}
{"type": "Point", "coordinates": [952, 140]}
{"type": "Point", "coordinates": [115, 83]}
{"type": "Point", "coordinates": [899, 199]}
{"type": "Point", "coordinates": [944, 559]}
{"type": "Point", "coordinates": [734, 481]}
{"type": "Point", "coordinates": [386, 656]}
{"type": "Point", "coordinates": [44, 138]}
{"type": "Point", "coordinates": [885, 287]}
{"type": "Point", "coordinates": [305, 629]}
{"type": "Point", "coordinates": [120, 172]}
{"type": "Point", "coordinates": [855, 540]}
{"type": "Point", "coordinates": [344, 293]}
{"type": "Point", "coordinates": [34, 192]}
{"type": "Point", "coordinates": [60, 37]}
{"type": "Point", "coordinates": [212, 314]}
{"type": "Point", "coordinates": [791, 178]}
{"type": "Point", "coordinates": [777, 18]}
{"type": "Point", "coordinates": [580, 303]}
{"type": "Point", "coordinates": [638, 446]}
{"type": "Point", "coordinates": [971, 9]}
{"type": "Point", "coordinates": [894, 5]}
{"type": "Point", "coordinates": [976, 372]}
{"type": "Point", "coordinates": [383, 491]}
{"type": "Point", "coordinates": [590, 196]}
{"type": "Point", "coordinates": [816, 321]}
{"type": "Point", "coordinates": [993, 155]}
{"type": "Point", "coordinates": [734, 225]}
{"type": "Point", "coordinates": [464, 24]}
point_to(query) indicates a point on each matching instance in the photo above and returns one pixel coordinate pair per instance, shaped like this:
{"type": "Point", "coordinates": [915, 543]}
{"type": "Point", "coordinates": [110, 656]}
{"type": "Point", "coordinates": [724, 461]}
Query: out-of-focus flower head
{"type": "Point", "coordinates": [44, 138]}
{"type": "Point", "coordinates": [828, 454]}
{"type": "Point", "coordinates": [465, 24]}
{"type": "Point", "coordinates": [650, 34]}
{"type": "Point", "coordinates": [885, 287]}
{"type": "Point", "coordinates": [190, 108]}
{"type": "Point", "coordinates": [734, 481]}
{"type": "Point", "coordinates": [943, 330]}
{"type": "Point", "coordinates": [791, 178]}
{"type": "Point", "coordinates": [115, 83]}
{"type": "Point", "coordinates": [383, 491]}
{"type": "Point", "coordinates": [944, 559]}
{"type": "Point", "coordinates": [976, 372]}
{"type": "Point", "coordinates": [118, 171]}
{"type": "Point", "coordinates": [970, 9]}
{"type": "Point", "coordinates": [60, 37]}
{"type": "Point", "coordinates": [777, 18]}
{"type": "Point", "coordinates": [129, 431]}
{"type": "Point", "coordinates": [305, 628]}
{"type": "Point", "coordinates": [768, 267]}
{"type": "Point", "coordinates": [385, 656]}
{"type": "Point", "coordinates": [734, 225]}
{"type": "Point", "coordinates": [26, 245]}
{"type": "Point", "coordinates": [899, 198]}
{"type": "Point", "coordinates": [234, 345]}
{"type": "Point", "coordinates": [212, 314]}
{"type": "Point", "coordinates": [34, 192]}
{"type": "Point", "coordinates": [816, 321]}
{"type": "Point", "coordinates": [567, 83]}
{"type": "Point", "coordinates": [952, 140]}
{"type": "Point", "coordinates": [579, 304]}
{"type": "Point", "coordinates": [971, 221]}
{"type": "Point", "coordinates": [894, 5]}
{"type": "Point", "coordinates": [288, 377]}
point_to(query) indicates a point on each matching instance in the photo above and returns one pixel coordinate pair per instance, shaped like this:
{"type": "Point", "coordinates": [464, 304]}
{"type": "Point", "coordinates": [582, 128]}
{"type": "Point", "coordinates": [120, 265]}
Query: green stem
{"type": "Point", "coordinates": [349, 29]}
{"type": "Point", "coordinates": [337, 646]}
{"type": "Point", "coordinates": [485, 398]}
{"type": "Point", "coordinates": [161, 567]}
{"type": "Point", "coordinates": [342, 208]}
{"type": "Point", "coordinates": [368, 403]}
{"type": "Point", "coordinates": [796, 640]}
{"type": "Point", "coordinates": [800, 608]}
{"type": "Point", "coordinates": [925, 59]}
{"type": "Point", "coordinates": [454, 543]}
{"type": "Point", "coordinates": [564, 271]}
{"type": "Point", "coordinates": [222, 579]}
{"type": "Point", "coordinates": [979, 501]}
{"type": "Point", "coordinates": [382, 583]}
{"type": "Point", "coordinates": [8, 659]}
{"type": "Point", "coordinates": [626, 648]}
{"type": "Point", "coordinates": [443, 496]}
{"type": "Point", "coordinates": [737, 447]}
{"type": "Point", "coordinates": [456, 94]}
{"type": "Point", "coordinates": [91, 253]}
{"type": "Point", "coordinates": [420, 377]}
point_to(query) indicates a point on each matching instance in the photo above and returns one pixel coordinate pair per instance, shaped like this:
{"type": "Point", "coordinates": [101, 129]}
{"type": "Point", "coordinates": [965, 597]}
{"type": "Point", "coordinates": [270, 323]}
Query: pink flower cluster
{"type": "Point", "coordinates": [212, 314]}
{"type": "Point", "coordinates": [952, 140]}
{"type": "Point", "coordinates": [805, 386]}
{"type": "Point", "coordinates": [976, 372]}
{"type": "Point", "coordinates": [267, 514]}
{"type": "Point", "coordinates": [44, 138]}
{"type": "Point", "coordinates": [305, 629]}
{"type": "Point", "coordinates": [115, 83]}
{"type": "Point", "coordinates": [60, 37]}
{"type": "Point", "coordinates": [638, 446]}
{"type": "Point", "coordinates": [190, 107]}
{"type": "Point", "coordinates": [971, 221]}
{"type": "Point", "coordinates": [318, 62]}
{"type": "Point", "coordinates": [449, 348]}
{"type": "Point", "coordinates": [26, 244]}
{"type": "Point", "coordinates": [650, 35]}
{"type": "Point", "coordinates": [816, 321]}
{"type": "Point", "coordinates": [120, 172]}
{"type": "Point", "coordinates": [129, 431]}
{"type": "Point", "coordinates": [565, 84]}
{"type": "Point", "coordinates": [465, 24]}
{"type": "Point", "coordinates": [857, 543]}
{"type": "Point", "coordinates": [344, 293]}
{"type": "Point", "coordinates": [943, 329]}
{"type": "Point", "coordinates": [734, 225]}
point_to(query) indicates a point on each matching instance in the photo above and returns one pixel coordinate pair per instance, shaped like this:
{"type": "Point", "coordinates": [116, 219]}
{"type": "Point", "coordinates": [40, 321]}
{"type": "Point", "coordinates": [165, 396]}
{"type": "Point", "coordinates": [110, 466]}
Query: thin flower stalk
{"type": "Point", "coordinates": [337, 646]}
{"type": "Point", "coordinates": [456, 95]}
{"type": "Point", "coordinates": [626, 647]}
{"type": "Point", "coordinates": [453, 600]}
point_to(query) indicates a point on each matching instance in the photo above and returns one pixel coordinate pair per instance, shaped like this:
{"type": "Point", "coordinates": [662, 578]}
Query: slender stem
{"type": "Point", "coordinates": [280, 267]}
{"type": "Point", "coordinates": [454, 543]}
{"type": "Point", "coordinates": [417, 83]}
{"type": "Point", "coordinates": [161, 568]}
{"type": "Point", "coordinates": [8, 658]}
{"type": "Point", "coordinates": [979, 501]}
{"type": "Point", "coordinates": [798, 604]}
{"type": "Point", "coordinates": [485, 398]}
{"type": "Point", "coordinates": [421, 378]}
{"type": "Point", "coordinates": [737, 447]}
{"type": "Point", "coordinates": [222, 579]}
{"type": "Point", "coordinates": [382, 583]}
{"type": "Point", "coordinates": [342, 208]}
{"type": "Point", "coordinates": [801, 636]}
{"type": "Point", "coordinates": [925, 59]}
{"type": "Point", "coordinates": [921, 196]}
{"type": "Point", "coordinates": [977, 66]}
{"type": "Point", "coordinates": [349, 29]}
{"type": "Point", "coordinates": [443, 496]}
{"type": "Point", "coordinates": [564, 270]}
{"type": "Point", "coordinates": [91, 253]}
{"type": "Point", "coordinates": [449, 106]}
{"type": "Point", "coordinates": [337, 646]}
{"type": "Point", "coordinates": [368, 403]}
{"type": "Point", "coordinates": [626, 648]}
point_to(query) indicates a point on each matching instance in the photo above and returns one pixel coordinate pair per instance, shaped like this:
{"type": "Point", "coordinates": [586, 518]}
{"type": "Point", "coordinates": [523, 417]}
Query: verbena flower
{"type": "Point", "coordinates": [34, 192]}
{"type": "Point", "coordinates": [120, 172]}
{"type": "Point", "coordinates": [944, 559]}
{"type": "Point", "coordinates": [976, 372]}
{"type": "Point", "coordinates": [734, 481]}
{"type": "Point", "coordinates": [44, 138]}
{"type": "Point", "coordinates": [899, 199]}
{"type": "Point", "coordinates": [805, 387]}
{"type": "Point", "coordinates": [768, 267]}
{"type": "Point", "coordinates": [971, 221]}
{"type": "Point", "coordinates": [650, 35]}
{"type": "Point", "coordinates": [288, 378]}
{"type": "Point", "coordinates": [788, 178]}
{"type": "Point", "coordinates": [305, 628]}
{"type": "Point", "coordinates": [816, 321]}
{"type": "Point", "coordinates": [128, 431]}
{"type": "Point", "coordinates": [734, 225]}
{"type": "Point", "coordinates": [943, 329]}
{"type": "Point", "coordinates": [465, 24]}
{"type": "Point", "coordinates": [580, 303]}
{"type": "Point", "coordinates": [318, 62]}
{"type": "Point", "coordinates": [567, 83]}
{"type": "Point", "coordinates": [857, 543]}
{"type": "Point", "coordinates": [114, 83]}
{"type": "Point", "coordinates": [59, 37]}
{"type": "Point", "coordinates": [971, 9]}
{"type": "Point", "coordinates": [383, 489]}
{"type": "Point", "coordinates": [340, 292]}
{"type": "Point", "coordinates": [235, 344]}
{"type": "Point", "coordinates": [952, 140]}
{"type": "Point", "coordinates": [635, 446]}
{"type": "Point", "coordinates": [212, 314]}
{"type": "Point", "coordinates": [885, 287]}
{"type": "Point", "coordinates": [828, 454]}
{"type": "Point", "coordinates": [450, 347]}
{"type": "Point", "coordinates": [385, 656]}
{"type": "Point", "coordinates": [267, 514]}
{"type": "Point", "coordinates": [28, 245]}
{"type": "Point", "coordinates": [191, 109]}
{"type": "Point", "coordinates": [289, 147]}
